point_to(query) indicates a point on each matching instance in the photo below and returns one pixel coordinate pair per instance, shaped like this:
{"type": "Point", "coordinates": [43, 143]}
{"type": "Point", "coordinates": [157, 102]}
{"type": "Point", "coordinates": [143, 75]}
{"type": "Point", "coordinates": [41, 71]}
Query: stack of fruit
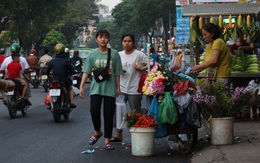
{"type": "Point", "coordinates": [244, 63]}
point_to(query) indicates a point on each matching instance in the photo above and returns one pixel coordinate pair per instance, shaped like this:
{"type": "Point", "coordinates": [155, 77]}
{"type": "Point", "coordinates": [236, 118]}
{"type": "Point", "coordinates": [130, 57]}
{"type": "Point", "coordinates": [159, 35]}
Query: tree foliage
{"type": "Point", "coordinates": [30, 21]}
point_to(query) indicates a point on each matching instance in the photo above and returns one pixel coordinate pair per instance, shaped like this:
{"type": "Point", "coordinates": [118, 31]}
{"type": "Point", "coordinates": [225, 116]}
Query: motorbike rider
{"type": "Point", "coordinates": [14, 70]}
{"type": "Point", "coordinates": [62, 69]}
{"type": "Point", "coordinates": [15, 48]}
{"type": "Point", "coordinates": [2, 55]}
{"type": "Point", "coordinates": [33, 62]}
{"type": "Point", "coordinates": [76, 61]}
{"type": "Point", "coordinates": [43, 61]}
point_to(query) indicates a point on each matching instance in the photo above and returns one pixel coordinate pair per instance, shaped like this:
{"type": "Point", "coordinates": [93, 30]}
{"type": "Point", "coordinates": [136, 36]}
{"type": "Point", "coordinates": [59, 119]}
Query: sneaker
{"type": "Point", "coordinates": [28, 103]}
{"type": "Point", "coordinates": [4, 102]}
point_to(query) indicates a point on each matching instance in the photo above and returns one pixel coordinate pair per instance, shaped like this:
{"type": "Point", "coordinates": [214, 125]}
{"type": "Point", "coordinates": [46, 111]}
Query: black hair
{"type": "Point", "coordinates": [152, 50]}
{"type": "Point", "coordinates": [103, 32]}
{"type": "Point", "coordinates": [212, 28]}
{"type": "Point", "coordinates": [129, 35]}
{"type": "Point", "coordinates": [46, 50]}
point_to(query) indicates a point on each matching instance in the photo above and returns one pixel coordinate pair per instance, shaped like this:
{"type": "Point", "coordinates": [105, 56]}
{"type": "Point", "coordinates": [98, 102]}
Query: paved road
{"type": "Point", "coordinates": [36, 138]}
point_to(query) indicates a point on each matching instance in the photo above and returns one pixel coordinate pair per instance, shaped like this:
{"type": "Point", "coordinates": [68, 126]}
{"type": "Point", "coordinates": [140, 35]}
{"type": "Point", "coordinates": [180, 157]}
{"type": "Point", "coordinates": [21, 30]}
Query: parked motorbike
{"type": "Point", "coordinates": [34, 78]}
{"type": "Point", "coordinates": [60, 100]}
{"type": "Point", "coordinates": [13, 100]}
{"type": "Point", "coordinates": [76, 79]}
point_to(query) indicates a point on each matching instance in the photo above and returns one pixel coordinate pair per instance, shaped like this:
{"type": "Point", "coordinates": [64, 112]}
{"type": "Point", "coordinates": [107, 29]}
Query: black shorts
{"type": "Point", "coordinates": [67, 83]}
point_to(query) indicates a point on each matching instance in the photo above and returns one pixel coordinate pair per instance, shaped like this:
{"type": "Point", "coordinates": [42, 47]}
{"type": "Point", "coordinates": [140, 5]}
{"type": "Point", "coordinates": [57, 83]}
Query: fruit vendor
{"type": "Point", "coordinates": [242, 45]}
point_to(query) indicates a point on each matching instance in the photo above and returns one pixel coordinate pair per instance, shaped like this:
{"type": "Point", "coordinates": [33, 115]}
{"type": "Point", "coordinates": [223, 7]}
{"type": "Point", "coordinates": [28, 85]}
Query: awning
{"type": "Point", "coordinates": [220, 9]}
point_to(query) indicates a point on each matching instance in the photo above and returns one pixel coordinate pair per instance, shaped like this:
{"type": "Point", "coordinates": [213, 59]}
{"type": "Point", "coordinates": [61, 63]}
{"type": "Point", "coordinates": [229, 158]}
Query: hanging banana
{"type": "Point", "coordinates": [191, 22]}
{"type": "Point", "coordinates": [220, 21]}
{"type": "Point", "coordinates": [230, 21]}
{"type": "Point", "coordinates": [211, 20]}
{"type": "Point", "coordinates": [239, 20]}
{"type": "Point", "coordinates": [200, 23]}
{"type": "Point", "coordinates": [248, 20]}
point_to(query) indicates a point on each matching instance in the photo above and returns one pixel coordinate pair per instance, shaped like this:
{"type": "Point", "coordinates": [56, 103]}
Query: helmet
{"type": "Point", "coordinates": [76, 52]}
{"type": "Point", "coordinates": [32, 51]}
{"type": "Point", "coordinates": [15, 48]}
{"type": "Point", "coordinates": [2, 51]}
{"type": "Point", "coordinates": [67, 50]}
{"type": "Point", "coordinates": [59, 48]}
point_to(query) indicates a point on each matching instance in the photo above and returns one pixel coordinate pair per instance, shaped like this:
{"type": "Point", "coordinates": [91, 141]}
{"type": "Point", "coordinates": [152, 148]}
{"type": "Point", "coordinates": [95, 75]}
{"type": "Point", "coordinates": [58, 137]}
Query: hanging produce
{"type": "Point", "coordinates": [239, 20]}
{"type": "Point", "coordinates": [200, 23]}
{"type": "Point", "coordinates": [211, 20]}
{"type": "Point", "coordinates": [220, 21]}
{"type": "Point", "coordinates": [191, 21]}
{"type": "Point", "coordinates": [248, 20]}
{"type": "Point", "coordinates": [230, 21]}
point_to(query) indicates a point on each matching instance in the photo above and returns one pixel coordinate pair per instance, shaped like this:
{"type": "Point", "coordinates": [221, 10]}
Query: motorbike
{"type": "Point", "coordinates": [76, 79]}
{"type": "Point", "coordinates": [13, 100]}
{"type": "Point", "coordinates": [34, 78]}
{"type": "Point", "coordinates": [45, 81]}
{"type": "Point", "coordinates": [2, 74]}
{"type": "Point", "coordinates": [60, 100]}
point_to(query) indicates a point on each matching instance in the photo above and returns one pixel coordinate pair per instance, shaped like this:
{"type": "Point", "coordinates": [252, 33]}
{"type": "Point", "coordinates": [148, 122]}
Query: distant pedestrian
{"type": "Point", "coordinates": [153, 55]}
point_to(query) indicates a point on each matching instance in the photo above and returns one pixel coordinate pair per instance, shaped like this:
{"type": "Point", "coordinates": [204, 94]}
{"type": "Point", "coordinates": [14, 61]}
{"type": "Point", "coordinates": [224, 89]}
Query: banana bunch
{"type": "Point", "coordinates": [200, 62]}
{"type": "Point", "coordinates": [244, 63]}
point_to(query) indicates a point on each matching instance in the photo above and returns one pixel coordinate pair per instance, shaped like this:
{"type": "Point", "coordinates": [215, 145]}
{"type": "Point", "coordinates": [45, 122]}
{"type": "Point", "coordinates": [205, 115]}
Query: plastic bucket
{"type": "Point", "coordinates": [222, 131]}
{"type": "Point", "coordinates": [142, 140]}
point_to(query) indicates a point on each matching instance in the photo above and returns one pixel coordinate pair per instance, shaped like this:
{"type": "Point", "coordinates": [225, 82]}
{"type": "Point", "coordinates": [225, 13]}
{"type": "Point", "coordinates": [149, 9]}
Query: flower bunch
{"type": "Point", "coordinates": [134, 119]}
{"type": "Point", "coordinates": [216, 100]}
{"type": "Point", "coordinates": [157, 81]}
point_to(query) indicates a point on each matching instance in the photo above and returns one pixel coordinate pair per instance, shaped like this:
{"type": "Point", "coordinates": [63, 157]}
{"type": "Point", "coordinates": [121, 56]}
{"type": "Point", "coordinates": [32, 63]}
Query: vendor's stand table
{"type": "Point", "coordinates": [240, 79]}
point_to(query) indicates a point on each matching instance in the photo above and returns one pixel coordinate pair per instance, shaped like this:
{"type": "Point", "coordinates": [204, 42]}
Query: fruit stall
{"type": "Point", "coordinates": [237, 21]}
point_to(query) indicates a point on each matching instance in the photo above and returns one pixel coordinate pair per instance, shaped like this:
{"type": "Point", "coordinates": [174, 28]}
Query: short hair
{"type": "Point", "coordinates": [152, 50]}
{"type": "Point", "coordinates": [103, 32]}
{"type": "Point", "coordinates": [129, 35]}
{"type": "Point", "coordinates": [212, 28]}
{"type": "Point", "coordinates": [46, 50]}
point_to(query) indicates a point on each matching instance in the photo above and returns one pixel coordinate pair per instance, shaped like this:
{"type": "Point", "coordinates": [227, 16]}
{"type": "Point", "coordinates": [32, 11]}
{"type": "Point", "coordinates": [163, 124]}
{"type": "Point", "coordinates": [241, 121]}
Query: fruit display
{"type": "Point", "coordinates": [244, 63]}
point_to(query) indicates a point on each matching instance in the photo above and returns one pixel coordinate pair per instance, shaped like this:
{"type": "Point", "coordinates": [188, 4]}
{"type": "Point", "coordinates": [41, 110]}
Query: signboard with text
{"type": "Point", "coordinates": [182, 27]}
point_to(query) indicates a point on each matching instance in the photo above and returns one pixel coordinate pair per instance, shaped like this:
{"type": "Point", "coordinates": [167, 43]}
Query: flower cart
{"type": "Point", "coordinates": [171, 121]}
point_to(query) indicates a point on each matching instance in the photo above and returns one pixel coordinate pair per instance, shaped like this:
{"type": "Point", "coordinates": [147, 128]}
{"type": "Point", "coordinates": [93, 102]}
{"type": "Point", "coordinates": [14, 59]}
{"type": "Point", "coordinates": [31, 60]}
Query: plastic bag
{"type": "Point", "coordinates": [182, 101]}
{"type": "Point", "coordinates": [75, 90]}
{"type": "Point", "coordinates": [47, 99]}
{"type": "Point", "coordinates": [167, 111]}
{"type": "Point", "coordinates": [120, 112]}
{"type": "Point", "coordinates": [161, 131]}
{"type": "Point", "coordinates": [192, 114]}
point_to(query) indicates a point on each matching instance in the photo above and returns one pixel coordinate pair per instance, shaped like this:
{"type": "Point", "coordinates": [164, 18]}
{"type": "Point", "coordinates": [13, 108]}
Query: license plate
{"type": "Point", "coordinates": [1, 75]}
{"type": "Point", "coordinates": [54, 92]}
{"type": "Point", "coordinates": [33, 73]}
{"type": "Point", "coordinates": [10, 93]}
{"type": "Point", "coordinates": [74, 81]}
{"type": "Point", "coordinates": [44, 77]}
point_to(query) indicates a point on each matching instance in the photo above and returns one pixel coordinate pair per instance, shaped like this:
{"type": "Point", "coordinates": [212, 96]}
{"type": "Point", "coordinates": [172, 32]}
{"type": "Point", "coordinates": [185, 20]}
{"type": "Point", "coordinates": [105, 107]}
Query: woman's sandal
{"type": "Point", "coordinates": [108, 146]}
{"type": "Point", "coordinates": [94, 139]}
{"type": "Point", "coordinates": [114, 139]}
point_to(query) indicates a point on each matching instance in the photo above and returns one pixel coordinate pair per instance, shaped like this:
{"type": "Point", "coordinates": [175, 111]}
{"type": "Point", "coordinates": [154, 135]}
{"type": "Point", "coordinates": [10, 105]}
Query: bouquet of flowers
{"type": "Point", "coordinates": [157, 81]}
{"type": "Point", "coordinates": [217, 101]}
{"type": "Point", "coordinates": [134, 119]}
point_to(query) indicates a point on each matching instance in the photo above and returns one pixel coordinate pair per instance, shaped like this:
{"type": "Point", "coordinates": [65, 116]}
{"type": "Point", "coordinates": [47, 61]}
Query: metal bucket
{"type": "Point", "coordinates": [222, 131]}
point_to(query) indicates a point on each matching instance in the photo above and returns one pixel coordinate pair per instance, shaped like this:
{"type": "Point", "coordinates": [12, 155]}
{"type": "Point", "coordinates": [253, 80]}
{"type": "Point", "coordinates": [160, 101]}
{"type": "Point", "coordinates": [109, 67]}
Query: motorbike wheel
{"type": "Point", "coordinates": [11, 105]}
{"type": "Point", "coordinates": [46, 89]}
{"type": "Point", "coordinates": [57, 112]}
{"type": "Point", "coordinates": [24, 111]}
{"type": "Point", "coordinates": [66, 114]}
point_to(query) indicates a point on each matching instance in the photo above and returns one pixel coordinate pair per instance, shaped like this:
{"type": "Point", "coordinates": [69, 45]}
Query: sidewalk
{"type": "Point", "coordinates": [246, 147]}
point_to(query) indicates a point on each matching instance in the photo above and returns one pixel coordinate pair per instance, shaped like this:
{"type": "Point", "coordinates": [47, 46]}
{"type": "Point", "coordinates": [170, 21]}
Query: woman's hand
{"type": "Point", "coordinates": [81, 93]}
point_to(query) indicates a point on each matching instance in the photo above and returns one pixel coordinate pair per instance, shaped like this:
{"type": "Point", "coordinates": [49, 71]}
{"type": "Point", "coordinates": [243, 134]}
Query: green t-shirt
{"type": "Point", "coordinates": [95, 60]}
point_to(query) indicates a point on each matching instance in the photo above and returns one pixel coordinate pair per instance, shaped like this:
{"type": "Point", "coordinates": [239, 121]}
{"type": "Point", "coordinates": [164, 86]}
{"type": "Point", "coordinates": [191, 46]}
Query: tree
{"type": "Point", "coordinates": [53, 37]}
